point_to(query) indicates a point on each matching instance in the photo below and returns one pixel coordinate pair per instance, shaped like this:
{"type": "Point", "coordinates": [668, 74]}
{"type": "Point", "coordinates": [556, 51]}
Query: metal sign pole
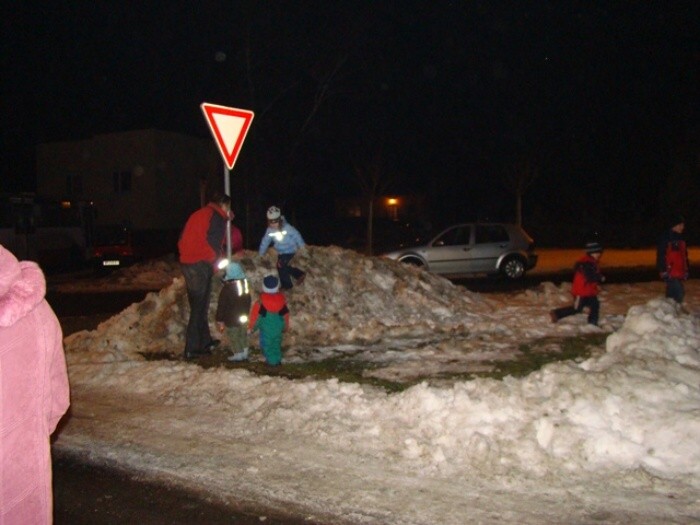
{"type": "Point", "coordinates": [229, 127]}
{"type": "Point", "coordinates": [227, 190]}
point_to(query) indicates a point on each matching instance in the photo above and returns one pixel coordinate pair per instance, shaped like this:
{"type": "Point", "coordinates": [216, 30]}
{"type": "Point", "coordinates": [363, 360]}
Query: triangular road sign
{"type": "Point", "coordinates": [229, 127]}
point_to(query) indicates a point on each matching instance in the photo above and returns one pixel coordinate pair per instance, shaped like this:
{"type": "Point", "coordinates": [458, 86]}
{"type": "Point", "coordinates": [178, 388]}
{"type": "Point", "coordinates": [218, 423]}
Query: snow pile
{"type": "Point", "coordinates": [610, 439]}
{"type": "Point", "coordinates": [602, 413]}
{"type": "Point", "coordinates": [346, 299]}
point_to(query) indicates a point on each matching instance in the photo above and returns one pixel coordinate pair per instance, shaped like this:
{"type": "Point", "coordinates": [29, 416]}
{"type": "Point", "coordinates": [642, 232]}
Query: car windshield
{"type": "Point", "coordinates": [454, 236]}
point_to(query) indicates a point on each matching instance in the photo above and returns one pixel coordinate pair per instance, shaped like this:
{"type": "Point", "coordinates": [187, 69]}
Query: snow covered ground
{"type": "Point", "coordinates": [611, 439]}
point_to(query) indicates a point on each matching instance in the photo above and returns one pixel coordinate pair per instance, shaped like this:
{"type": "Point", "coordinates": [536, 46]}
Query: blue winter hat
{"type": "Point", "coordinates": [234, 272]}
{"type": "Point", "coordinates": [271, 284]}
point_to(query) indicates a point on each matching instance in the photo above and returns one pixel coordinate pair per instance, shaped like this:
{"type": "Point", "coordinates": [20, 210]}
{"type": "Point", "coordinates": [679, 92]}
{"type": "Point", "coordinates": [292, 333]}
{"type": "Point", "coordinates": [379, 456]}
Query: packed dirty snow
{"type": "Point", "coordinates": [610, 439]}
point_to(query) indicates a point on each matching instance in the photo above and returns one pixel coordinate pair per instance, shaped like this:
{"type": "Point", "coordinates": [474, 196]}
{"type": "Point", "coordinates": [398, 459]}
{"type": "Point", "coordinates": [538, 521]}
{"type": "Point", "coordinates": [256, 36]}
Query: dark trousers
{"type": "Point", "coordinates": [675, 290]}
{"type": "Point", "coordinates": [198, 282]}
{"type": "Point", "coordinates": [286, 271]}
{"type": "Point", "coordinates": [580, 303]}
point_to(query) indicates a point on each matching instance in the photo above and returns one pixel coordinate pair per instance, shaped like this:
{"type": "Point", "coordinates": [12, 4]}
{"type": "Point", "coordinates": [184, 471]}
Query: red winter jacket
{"type": "Point", "coordinates": [204, 234]}
{"type": "Point", "coordinates": [586, 277]}
{"type": "Point", "coordinates": [271, 302]}
{"type": "Point", "coordinates": [236, 239]}
{"type": "Point", "coordinates": [672, 256]}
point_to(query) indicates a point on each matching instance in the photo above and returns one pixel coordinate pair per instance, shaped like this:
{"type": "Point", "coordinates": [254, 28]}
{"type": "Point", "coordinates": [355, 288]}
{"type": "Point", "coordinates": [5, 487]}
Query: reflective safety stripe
{"type": "Point", "coordinates": [242, 287]}
{"type": "Point", "coordinates": [279, 235]}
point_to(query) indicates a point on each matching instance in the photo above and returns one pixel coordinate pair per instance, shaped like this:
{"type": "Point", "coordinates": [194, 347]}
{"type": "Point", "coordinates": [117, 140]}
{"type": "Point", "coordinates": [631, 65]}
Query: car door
{"type": "Point", "coordinates": [490, 242]}
{"type": "Point", "coordinates": [449, 252]}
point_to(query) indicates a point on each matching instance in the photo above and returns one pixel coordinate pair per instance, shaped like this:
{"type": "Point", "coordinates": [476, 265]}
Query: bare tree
{"type": "Point", "coordinates": [517, 178]}
{"type": "Point", "coordinates": [287, 105]}
{"type": "Point", "coordinates": [373, 180]}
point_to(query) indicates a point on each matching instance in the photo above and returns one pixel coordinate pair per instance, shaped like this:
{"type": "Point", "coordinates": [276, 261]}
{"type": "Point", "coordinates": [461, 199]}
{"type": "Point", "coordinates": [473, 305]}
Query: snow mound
{"type": "Point", "coordinates": [633, 408]}
{"type": "Point", "coordinates": [347, 298]}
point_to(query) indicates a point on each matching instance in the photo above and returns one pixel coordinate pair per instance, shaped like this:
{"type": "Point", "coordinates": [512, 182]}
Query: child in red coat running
{"type": "Point", "coordinates": [584, 288]}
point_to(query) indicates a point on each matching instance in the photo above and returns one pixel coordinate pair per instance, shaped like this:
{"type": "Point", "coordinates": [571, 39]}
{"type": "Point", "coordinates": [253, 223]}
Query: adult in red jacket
{"type": "Point", "coordinates": [201, 244]}
{"type": "Point", "coordinates": [584, 287]}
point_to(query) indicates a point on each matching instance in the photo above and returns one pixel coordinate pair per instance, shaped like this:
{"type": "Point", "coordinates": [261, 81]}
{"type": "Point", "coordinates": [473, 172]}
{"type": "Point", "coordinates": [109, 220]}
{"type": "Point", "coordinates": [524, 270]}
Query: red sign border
{"type": "Point", "coordinates": [209, 111]}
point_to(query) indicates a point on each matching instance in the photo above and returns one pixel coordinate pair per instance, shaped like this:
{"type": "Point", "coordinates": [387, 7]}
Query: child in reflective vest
{"type": "Point", "coordinates": [270, 316]}
{"type": "Point", "coordinates": [584, 287]}
{"type": "Point", "coordinates": [232, 310]}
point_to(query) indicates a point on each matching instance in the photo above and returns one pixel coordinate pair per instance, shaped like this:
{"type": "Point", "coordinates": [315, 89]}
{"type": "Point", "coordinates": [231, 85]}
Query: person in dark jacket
{"type": "Point", "coordinates": [672, 259]}
{"type": "Point", "coordinates": [584, 287]}
{"type": "Point", "coordinates": [233, 309]}
{"type": "Point", "coordinates": [270, 316]}
{"type": "Point", "coordinates": [201, 244]}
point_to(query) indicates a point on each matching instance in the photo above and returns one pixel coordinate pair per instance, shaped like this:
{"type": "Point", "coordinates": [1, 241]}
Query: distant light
{"type": "Point", "coordinates": [392, 201]}
{"type": "Point", "coordinates": [65, 205]}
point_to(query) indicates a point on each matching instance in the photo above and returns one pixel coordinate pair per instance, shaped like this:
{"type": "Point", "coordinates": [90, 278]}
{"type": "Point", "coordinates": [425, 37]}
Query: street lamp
{"type": "Point", "coordinates": [393, 206]}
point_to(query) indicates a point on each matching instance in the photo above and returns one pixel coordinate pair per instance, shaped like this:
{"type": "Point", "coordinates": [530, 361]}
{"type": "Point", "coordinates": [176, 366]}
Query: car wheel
{"type": "Point", "coordinates": [513, 268]}
{"type": "Point", "coordinates": [413, 262]}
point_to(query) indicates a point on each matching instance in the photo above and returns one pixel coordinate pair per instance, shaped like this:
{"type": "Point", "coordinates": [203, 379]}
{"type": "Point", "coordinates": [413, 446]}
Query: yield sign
{"type": "Point", "coordinates": [229, 127]}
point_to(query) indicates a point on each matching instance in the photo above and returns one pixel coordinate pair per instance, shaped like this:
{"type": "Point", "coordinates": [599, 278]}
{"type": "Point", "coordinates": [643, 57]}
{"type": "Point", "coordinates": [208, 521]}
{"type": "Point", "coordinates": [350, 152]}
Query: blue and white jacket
{"type": "Point", "coordinates": [286, 240]}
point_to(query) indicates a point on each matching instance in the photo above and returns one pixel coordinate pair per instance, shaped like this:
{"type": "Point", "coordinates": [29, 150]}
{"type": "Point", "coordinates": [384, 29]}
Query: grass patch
{"type": "Point", "coordinates": [533, 356]}
{"type": "Point", "coordinates": [342, 369]}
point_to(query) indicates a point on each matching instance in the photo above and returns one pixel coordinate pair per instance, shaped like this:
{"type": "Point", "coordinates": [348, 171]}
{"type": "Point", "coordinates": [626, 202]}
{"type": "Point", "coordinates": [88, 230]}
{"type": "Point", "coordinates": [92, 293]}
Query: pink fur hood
{"type": "Point", "coordinates": [22, 287]}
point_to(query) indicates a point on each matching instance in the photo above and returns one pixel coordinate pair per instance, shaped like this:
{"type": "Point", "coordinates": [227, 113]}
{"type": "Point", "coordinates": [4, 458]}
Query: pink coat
{"type": "Point", "coordinates": [34, 390]}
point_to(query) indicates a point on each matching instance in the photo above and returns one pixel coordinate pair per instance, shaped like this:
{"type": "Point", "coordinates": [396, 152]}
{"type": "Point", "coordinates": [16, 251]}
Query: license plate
{"type": "Point", "coordinates": [110, 263]}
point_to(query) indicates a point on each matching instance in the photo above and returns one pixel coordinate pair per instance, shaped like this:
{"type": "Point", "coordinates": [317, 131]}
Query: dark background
{"type": "Point", "coordinates": [592, 106]}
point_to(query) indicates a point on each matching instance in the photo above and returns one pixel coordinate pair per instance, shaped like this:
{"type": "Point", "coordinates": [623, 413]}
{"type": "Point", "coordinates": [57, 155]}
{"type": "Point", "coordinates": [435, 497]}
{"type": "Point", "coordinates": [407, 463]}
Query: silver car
{"type": "Point", "coordinates": [473, 248]}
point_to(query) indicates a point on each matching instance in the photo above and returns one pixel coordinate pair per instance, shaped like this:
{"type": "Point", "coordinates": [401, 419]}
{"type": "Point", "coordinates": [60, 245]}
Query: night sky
{"type": "Point", "coordinates": [445, 98]}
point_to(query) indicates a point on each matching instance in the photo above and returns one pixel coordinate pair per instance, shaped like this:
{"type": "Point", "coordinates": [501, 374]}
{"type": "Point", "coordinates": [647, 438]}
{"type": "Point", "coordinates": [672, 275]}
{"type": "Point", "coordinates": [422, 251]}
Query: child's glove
{"type": "Point", "coordinates": [664, 276]}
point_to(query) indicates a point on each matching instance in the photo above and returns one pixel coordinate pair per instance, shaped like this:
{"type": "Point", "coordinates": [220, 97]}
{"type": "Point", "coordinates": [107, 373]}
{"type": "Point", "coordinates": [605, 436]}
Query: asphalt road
{"type": "Point", "coordinates": [88, 494]}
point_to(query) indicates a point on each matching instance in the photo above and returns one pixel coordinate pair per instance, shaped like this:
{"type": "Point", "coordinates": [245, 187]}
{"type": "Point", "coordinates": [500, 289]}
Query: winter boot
{"type": "Point", "coordinates": [239, 356]}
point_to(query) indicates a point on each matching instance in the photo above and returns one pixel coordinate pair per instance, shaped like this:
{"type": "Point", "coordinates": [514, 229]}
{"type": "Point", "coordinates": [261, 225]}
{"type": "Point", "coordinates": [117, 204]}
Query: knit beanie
{"type": "Point", "coordinates": [675, 220]}
{"type": "Point", "coordinates": [271, 284]}
{"type": "Point", "coordinates": [593, 247]}
{"type": "Point", "coordinates": [234, 272]}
